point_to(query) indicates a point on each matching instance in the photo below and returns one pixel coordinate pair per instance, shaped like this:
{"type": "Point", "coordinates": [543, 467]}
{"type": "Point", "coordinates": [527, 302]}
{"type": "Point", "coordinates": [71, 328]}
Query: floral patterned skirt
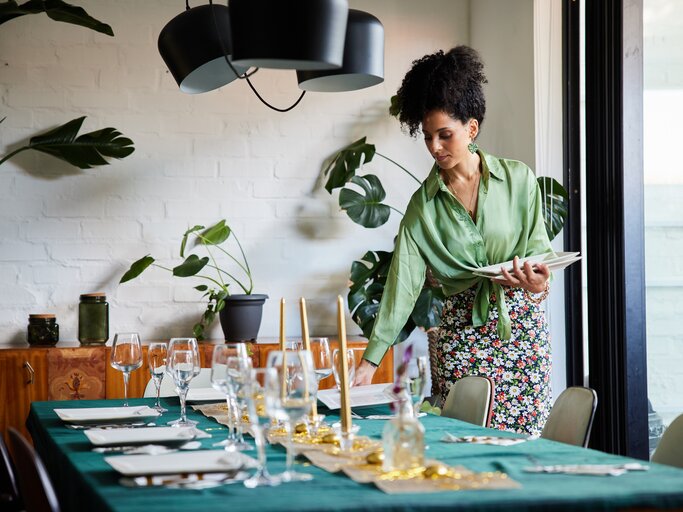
{"type": "Point", "coordinates": [520, 367]}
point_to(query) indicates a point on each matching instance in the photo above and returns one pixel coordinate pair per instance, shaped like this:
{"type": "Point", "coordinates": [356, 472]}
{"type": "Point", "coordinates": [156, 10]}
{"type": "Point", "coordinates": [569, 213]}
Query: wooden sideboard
{"type": "Point", "coordinates": [69, 371]}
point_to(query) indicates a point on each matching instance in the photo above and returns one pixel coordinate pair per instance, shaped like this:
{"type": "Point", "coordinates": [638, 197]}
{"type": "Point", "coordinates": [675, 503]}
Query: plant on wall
{"type": "Point", "coordinates": [56, 10]}
{"type": "Point", "coordinates": [84, 151]}
{"type": "Point", "coordinates": [367, 208]}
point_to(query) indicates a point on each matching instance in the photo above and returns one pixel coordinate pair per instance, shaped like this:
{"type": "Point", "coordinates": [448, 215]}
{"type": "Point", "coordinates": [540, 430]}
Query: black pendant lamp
{"type": "Point", "coordinates": [194, 46]}
{"type": "Point", "coordinates": [288, 34]}
{"type": "Point", "coordinates": [363, 58]}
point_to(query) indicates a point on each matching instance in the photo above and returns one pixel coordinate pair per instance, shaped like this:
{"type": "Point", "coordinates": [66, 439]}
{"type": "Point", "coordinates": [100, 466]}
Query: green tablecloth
{"type": "Point", "coordinates": [85, 482]}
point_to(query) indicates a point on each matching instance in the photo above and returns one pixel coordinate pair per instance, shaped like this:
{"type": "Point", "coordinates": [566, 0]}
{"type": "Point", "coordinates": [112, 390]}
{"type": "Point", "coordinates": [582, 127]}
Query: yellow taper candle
{"type": "Point", "coordinates": [307, 343]}
{"type": "Point", "coordinates": [283, 347]}
{"type": "Point", "coordinates": [345, 411]}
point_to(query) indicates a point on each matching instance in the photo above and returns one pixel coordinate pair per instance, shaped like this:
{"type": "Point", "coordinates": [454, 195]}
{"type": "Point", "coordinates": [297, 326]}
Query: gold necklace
{"type": "Point", "coordinates": [470, 209]}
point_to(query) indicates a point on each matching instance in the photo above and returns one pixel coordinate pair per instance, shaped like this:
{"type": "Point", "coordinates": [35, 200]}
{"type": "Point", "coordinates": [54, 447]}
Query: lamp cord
{"type": "Point", "coordinates": [246, 75]}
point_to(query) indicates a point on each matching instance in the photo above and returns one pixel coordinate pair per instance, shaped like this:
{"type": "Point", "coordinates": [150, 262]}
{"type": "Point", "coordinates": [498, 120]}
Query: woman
{"type": "Point", "coordinates": [474, 209]}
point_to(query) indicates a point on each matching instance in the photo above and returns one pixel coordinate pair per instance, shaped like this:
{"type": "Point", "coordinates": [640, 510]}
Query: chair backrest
{"type": "Point", "coordinates": [203, 380]}
{"type": "Point", "coordinates": [571, 417]}
{"type": "Point", "coordinates": [36, 489]}
{"type": "Point", "coordinates": [9, 491]}
{"type": "Point", "coordinates": [670, 447]}
{"type": "Point", "coordinates": [470, 399]}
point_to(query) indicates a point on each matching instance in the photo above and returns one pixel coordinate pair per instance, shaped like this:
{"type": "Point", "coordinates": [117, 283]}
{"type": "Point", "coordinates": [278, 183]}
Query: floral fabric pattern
{"type": "Point", "coordinates": [520, 367]}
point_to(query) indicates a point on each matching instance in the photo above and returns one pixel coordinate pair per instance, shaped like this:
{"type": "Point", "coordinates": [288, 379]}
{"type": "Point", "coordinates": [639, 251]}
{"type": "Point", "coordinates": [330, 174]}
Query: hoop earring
{"type": "Point", "coordinates": [472, 147]}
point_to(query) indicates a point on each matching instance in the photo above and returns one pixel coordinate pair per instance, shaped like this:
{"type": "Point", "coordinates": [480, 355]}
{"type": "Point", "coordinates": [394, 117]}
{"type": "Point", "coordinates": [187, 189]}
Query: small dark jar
{"type": "Point", "coordinates": [43, 330]}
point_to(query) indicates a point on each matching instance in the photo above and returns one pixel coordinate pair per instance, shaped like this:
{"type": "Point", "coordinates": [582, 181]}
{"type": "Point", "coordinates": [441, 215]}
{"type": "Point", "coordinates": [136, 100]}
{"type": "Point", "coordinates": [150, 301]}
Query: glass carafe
{"type": "Point", "coordinates": [403, 436]}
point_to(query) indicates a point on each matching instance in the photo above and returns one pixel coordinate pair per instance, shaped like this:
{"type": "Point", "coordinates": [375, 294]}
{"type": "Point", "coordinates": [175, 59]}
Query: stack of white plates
{"type": "Point", "coordinates": [558, 261]}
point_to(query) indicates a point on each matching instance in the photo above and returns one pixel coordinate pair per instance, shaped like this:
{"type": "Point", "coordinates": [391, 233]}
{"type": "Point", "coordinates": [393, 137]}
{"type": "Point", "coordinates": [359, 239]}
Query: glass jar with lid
{"type": "Point", "coordinates": [43, 330]}
{"type": "Point", "coordinates": [93, 319]}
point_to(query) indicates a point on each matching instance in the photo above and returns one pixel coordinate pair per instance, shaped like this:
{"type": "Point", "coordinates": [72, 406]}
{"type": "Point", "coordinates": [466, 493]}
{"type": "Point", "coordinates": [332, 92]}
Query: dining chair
{"type": "Point", "coordinates": [571, 417]}
{"type": "Point", "coordinates": [34, 483]}
{"type": "Point", "coordinates": [670, 447]}
{"type": "Point", "coordinates": [203, 380]}
{"type": "Point", "coordinates": [470, 399]}
{"type": "Point", "coordinates": [9, 492]}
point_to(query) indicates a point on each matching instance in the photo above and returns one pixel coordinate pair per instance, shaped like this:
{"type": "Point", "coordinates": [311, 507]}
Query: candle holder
{"type": "Point", "coordinates": [346, 441]}
{"type": "Point", "coordinates": [315, 421]}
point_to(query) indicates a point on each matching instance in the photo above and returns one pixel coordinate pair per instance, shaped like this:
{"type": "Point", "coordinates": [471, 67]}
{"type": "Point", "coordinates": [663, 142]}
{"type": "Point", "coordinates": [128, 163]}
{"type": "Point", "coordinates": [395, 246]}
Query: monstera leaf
{"type": "Point", "coordinates": [344, 164]}
{"type": "Point", "coordinates": [366, 210]}
{"type": "Point", "coordinates": [555, 205]}
{"type": "Point", "coordinates": [368, 278]}
{"type": "Point", "coordinates": [85, 151]}
{"type": "Point", "coordinates": [191, 266]}
{"type": "Point", "coordinates": [137, 268]}
{"type": "Point", "coordinates": [55, 9]}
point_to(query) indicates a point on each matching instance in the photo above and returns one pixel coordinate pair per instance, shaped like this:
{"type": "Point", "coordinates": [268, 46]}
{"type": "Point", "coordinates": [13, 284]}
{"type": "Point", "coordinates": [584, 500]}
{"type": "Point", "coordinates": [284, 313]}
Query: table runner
{"type": "Point", "coordinates": [85, 482]}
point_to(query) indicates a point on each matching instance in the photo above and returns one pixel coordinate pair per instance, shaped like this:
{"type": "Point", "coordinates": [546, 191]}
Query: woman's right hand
{"type": "Point", "coordinates": [364, 373]}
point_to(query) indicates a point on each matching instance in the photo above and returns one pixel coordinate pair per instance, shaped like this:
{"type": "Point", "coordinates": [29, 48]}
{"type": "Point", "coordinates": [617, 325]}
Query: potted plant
{"type": "Point", "coordinates": [240, 314]}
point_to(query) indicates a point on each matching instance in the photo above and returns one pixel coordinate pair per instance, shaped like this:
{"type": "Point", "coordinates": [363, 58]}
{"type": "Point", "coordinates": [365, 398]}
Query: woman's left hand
{"type": "Point", "coordinates": [531, 279]}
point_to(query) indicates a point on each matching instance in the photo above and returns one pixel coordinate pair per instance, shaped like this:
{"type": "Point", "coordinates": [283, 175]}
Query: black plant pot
{"type": "Point", "coordinates": [241, 317]}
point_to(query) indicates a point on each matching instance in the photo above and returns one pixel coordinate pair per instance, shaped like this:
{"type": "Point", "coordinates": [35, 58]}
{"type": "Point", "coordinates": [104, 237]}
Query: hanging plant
{"type": "Point", "coordinates": [56, 10]}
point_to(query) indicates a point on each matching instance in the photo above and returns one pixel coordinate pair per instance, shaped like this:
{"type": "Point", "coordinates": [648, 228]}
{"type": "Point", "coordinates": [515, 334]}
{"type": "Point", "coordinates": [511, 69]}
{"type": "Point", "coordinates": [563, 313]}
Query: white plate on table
{"type": "Point", "coordinates": [199, 461]}
{"type": "Point", "coordinates": [108, 414]}
{"type": "Point", "coordinates": [204, 395]}
{"type": "Point", "coordinates": [112, 437]}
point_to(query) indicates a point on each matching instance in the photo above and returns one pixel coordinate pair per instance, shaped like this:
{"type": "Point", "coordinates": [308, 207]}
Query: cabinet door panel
{"type": "Point", "coordinates": [25, 382]}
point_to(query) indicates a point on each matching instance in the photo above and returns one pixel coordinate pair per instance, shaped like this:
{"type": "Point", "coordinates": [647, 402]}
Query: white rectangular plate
{"type": "Point", "coordinates": [204, 395]}
{"type": "Point", "coordinates": [110, 414]}
{"type": "Point", "coordinates": [562, 260]}
{"type": "Point", "coordinates": [360, 396]}
{"type": "Point", "coordinates": [110, 437]}
{"type": "Point", "coordinates": [199, 461]}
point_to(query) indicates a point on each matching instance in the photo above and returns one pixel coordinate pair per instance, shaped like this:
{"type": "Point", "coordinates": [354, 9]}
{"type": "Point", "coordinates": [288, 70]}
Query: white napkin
{"type": "Point", "coordinates": [498, 441]}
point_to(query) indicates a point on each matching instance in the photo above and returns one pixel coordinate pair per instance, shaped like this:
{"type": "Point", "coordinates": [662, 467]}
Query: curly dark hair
{"type": "Point", "coordinates": [450, 81]}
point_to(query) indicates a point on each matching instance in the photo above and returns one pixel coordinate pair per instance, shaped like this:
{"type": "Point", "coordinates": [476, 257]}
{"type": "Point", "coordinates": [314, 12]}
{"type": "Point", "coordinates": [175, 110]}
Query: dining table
{"type": "Point", "coordinates": [84, 481]}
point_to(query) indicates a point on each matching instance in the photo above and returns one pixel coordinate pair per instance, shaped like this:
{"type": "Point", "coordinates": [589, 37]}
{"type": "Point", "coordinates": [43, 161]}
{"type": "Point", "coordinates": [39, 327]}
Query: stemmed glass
{"type": "Point", "coordinates": [260, 380]}
{"type": "Point", "coordinates": [156, 357]}
{"type": "Point", "coordinates": [322, 358]}
{"type": "Point", "coordinates": [291, 398]}
{"type": "Point", "coordinates": [126, 356]}
{"type": "Point", "coordinates": [182, 364]}
{"type": "Point", "coordinates": [229, 371]}
{"type": "Point", "coordinates": [417, 382]}
{"type": "Point", "coordinates": [336, 366]}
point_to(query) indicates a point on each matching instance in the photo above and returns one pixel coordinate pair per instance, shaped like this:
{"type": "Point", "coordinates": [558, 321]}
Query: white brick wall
{"type": "Point", "coordinates": [64, 232]}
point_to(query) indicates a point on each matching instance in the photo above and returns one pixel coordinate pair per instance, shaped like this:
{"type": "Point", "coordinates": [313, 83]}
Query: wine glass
{"type": "Point", "coordinates": [156, 357]}
{"type": "Point", "coordinates": [237, 375]}
{"type": "Point", "coordinates": [182, 364]}
{"type": "Point", "coordinates": [336, 366]}
{"type": "Point", "coordinates": [221, 365]}
{"type": "Point", "coordinates": [126, 356]}
{"type": "Point", "coordinates": [417, 382]}
{"type": "Point", "coordinates": [322, 358]}
{"type": "Point", "coordinates": [291, 398]}
{"type": "Point", "coordinates": [260, 380]}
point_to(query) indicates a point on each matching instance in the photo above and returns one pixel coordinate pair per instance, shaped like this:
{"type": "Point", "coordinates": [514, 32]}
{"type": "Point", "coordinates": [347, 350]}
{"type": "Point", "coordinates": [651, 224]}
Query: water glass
{"type": "Point", "coordinates": [260, 380]}
{"type": "Point", "coordinates": [336, 366]}
{"type": "Point", "coordinates": [417, 382]}
{"type": "Point", "coordinates": [322, 358]}
{"type": "Point", "coordinates": [182, 364]}
{"type": "Point", "coordinates": [290, 399]}
{"type": "Point", "coordinates": [156, 358]}
{"type": "Point", "coordinates": [126, 356]}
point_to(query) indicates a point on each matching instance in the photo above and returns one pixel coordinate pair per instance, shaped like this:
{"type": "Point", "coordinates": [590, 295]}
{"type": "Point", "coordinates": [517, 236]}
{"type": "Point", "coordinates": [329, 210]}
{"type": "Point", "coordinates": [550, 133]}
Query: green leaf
{"type": "Point", "coordinates": [198, 331]}
{"type": "Point", "coordinates": [216, 234]}
{"type": "Point", "coordinates": [430, 409]}
{"type": "Point", "coordinates": [191, 266]}
{"type": "Point", "coordinates": [58, 10]}
{"type": "Point", "coordinates": [555, 204]}
{"type": "Point", "coordinates": [366, 210]}
{"type": "Point", "coordinates": [137, 268]}
{"type": "Point", "coordinates": [394, 108]}
{"type": "Point", "coordinates": [183, 244]}
{"type": "Point", "coordinates": [344, 164]}
{"type": "Point", "coordinates": [220, 305]}
{"type": "Point", "coordinates": [201, 288]}
{"type": "Point", "coordinates": [372, 267]}
{"type": "Point", "coordinates": [427, 311]}
{"type": "Point", "coordinates": [84, 152]}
